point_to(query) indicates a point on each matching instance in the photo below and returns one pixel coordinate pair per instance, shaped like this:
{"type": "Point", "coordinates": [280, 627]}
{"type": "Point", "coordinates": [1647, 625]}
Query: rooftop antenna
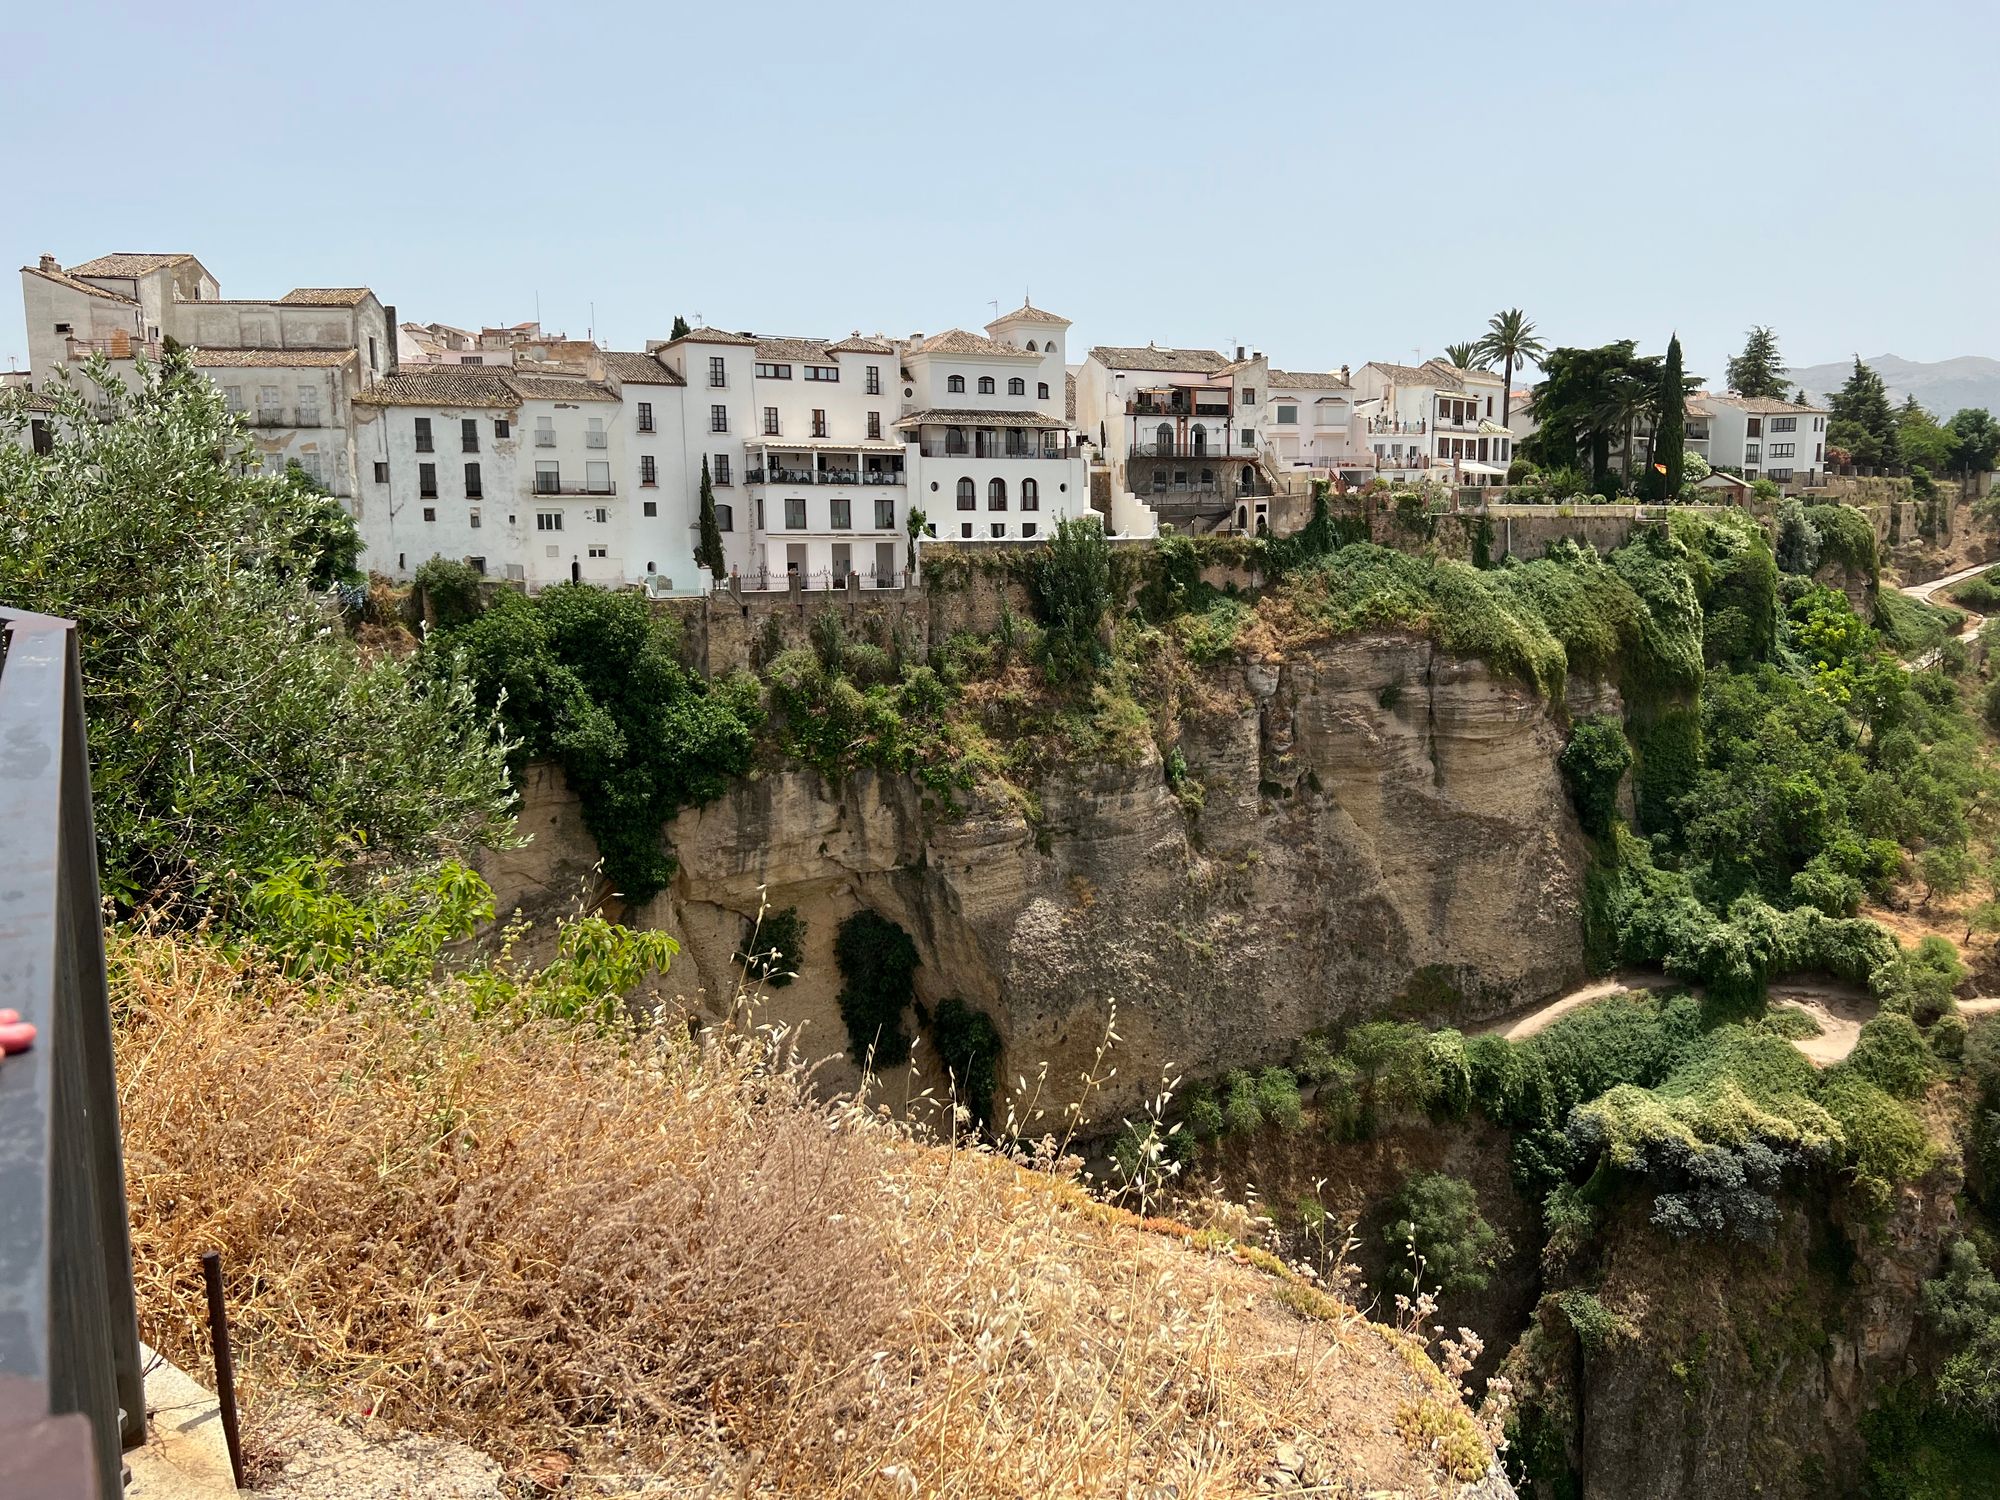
{"type": "Point", "coordinates": [994, 303]}
{"type": "Point", "coordinates": [538, 308]}
{"type": "Point", "coordinates": [590, 333]}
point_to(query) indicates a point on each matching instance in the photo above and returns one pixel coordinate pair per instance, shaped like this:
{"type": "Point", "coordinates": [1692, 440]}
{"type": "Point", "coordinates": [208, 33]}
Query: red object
{"type": "Point", "coordinates": [16, 1035]}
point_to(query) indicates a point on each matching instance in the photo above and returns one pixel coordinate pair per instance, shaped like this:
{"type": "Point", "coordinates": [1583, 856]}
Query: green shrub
{"type": "Point", "coordinates": [1278, 1099]}
{"type": "Point", "coordinates": [1242, 1113]}
{"type": "Point", "coordinates": [774, 948]}
{"type": "Point", "coordinates": [968, 1043]}
{"type": "Point", "coordinates": [1919, 982]}
{"type": "Point", "coordinates": [450, 589]}
{"type": "Point", "coordinates": [1202, 1112]}
{"type": "Point", "coordinates": [1885, 1142]}
{"type": "Point", "coordinates": [1892, 1055]}
{"type": "Point", "coordinates": [878, 962]}
{"type": "Point", "coordinates": [1964, 1306]}
{"type": "Point", "coordinates": [1846, 536]}
{"type": "Point", "coordinates": [1072, 587]}
{"type": "Point", "coordinates": [1594, 763]}
{"type": "Point", "coordinates": [1437, 1238]}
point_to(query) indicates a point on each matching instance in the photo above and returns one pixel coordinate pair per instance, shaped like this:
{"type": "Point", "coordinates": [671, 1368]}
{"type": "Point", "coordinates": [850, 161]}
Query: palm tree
{"type": "Point", "coordinates": [1465, 356]}
{"type": "Point", "coordinates": [1510, 338]}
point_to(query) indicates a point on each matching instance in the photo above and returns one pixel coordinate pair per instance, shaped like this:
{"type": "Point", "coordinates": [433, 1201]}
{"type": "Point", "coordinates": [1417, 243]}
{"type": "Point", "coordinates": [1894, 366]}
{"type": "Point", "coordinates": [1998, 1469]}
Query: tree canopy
{"type": "Point", "coordinates": [1863, 424]}
{"type": "Point", "coordinates": [1759, 370]}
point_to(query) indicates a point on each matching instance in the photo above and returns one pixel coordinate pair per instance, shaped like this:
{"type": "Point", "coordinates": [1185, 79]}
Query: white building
{"type": "Point", "coordinates": [1308, 427]}
{"type": "Point", "coordinates": [1433, 420]}
{"type": "Point", "coordinates": [292, 367]}
{"type": "Point", "coordinates": [1762, 436]}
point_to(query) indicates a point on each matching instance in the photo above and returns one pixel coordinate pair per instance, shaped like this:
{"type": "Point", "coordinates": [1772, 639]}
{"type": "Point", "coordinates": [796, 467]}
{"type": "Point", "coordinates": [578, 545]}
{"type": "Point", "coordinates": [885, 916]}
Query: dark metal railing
{"type": "Point", "coordinates": [69, 1337]}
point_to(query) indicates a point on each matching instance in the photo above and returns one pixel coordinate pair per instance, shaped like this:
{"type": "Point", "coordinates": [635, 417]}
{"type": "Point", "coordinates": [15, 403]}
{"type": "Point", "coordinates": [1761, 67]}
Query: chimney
{"type": "Point", "coordinates": [49, 262]}
{"type": "Point", "coordinates": [1343, 373]}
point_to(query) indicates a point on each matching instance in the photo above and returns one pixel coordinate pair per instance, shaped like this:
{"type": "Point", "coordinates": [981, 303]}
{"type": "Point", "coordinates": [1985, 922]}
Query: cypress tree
{"type": "Point", "coordinates": [1669, 430]}
{"type": "Point", "coordinates": [681, 329]}
{"type": "Point", "coordinates": [710, 553]}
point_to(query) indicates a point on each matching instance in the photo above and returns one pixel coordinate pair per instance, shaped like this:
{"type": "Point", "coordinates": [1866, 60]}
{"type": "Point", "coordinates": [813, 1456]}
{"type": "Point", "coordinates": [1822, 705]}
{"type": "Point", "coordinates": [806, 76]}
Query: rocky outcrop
{"type": "Point", "coordinates": [1383, 831]}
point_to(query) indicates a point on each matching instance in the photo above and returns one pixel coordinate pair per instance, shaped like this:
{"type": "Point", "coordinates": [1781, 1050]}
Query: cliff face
{"type": "Point", "coordinates": [1384, 832]}
{"type": "Point", "coordinates": [1732, 1371]}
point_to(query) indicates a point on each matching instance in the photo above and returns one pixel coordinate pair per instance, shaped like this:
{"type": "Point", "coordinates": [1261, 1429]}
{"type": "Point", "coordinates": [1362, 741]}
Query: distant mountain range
{"type": "Point", "coordinates": [1947, 386]}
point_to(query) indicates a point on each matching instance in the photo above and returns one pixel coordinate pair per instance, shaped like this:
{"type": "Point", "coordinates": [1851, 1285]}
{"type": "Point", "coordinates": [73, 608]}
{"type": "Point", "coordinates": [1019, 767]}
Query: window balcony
{"type": "Point", "coordinates": [274, 416]}
{"type": "Point", "coordinates": [596, 439]}
{"type": "Point", "coordinates": [544, 438]}
{"type": "Point", "coordinates": [550, 484]}
{"type": "Point", "coordinates": [1214, 406]}
{"type": "Point", "coordinates": [1391, 425]}
{"type": "Point", "coordinates": [1187, 450]}
{"type": "Point", "coordinates": [935, 448]}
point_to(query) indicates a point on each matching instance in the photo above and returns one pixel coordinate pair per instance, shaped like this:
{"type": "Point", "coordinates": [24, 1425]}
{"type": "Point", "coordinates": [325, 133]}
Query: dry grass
{"type": "Point", "coordinates": [667, 1259]}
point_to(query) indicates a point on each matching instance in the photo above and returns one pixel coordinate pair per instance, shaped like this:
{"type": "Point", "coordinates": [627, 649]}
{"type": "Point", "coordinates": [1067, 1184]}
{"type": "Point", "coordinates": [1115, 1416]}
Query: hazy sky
{"type": "Point", "coordinates": [1331, 183]}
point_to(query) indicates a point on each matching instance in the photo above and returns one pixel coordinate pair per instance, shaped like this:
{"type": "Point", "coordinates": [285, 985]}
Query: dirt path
{"type": "Point", "coordinates": [1967, 627]}
{"type": "Point", "coordinates": [1840, 1010]}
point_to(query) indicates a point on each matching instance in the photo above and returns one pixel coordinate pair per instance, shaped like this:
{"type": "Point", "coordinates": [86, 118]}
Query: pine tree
{"type": "Point", "coordinates": [1799, 397]}
{"type": "Point", "coordinates": [1669, 431]}
{"type": "Point", "coordinates": [1862, 422]}
{"type": "Point", "coordinates": [681, 329]}
{"type": "Point", "coordinates": [1758, 370]}
{"type": "Point", "coordinates": [710, 553]}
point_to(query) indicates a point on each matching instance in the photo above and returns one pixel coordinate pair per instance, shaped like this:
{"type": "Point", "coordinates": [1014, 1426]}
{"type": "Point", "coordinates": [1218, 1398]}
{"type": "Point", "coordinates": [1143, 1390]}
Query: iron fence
{"type": "Point", "coordinates": [69, 1338]}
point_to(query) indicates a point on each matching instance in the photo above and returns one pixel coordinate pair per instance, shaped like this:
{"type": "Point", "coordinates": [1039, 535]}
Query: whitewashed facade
{"type": "Point", "coordinates": [1433, 420]}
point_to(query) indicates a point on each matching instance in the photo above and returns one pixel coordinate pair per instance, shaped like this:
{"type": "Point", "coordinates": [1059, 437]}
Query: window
{"type": "Point", "coordinates": [999, 528]}
{"type": "Point", "coordinates": [841, 515]}
{"type": "Point", "coordinates": [1288, 414]}
{"type": "Point", "coordinates": [545, 432]}
{"type": "Point", "coordinates": [965, 530]}
{"type": "Point", "coordinates": [427, 480]}
{"type": "Point", "coordinates": [795, 515]}
{"type": "Point", "coordinates": [1028, 528]}
{"type": "Point", "coordinates": [1031, 346]}
{"type": "Point", "coordinates": [594, 436]}
{"type": "Point", "coordinates": [373, 362]}
{"type": "Point", "coordinates": [1017, 387]}
{"type": "Point", "coordinates": [645, 416]}
{"type": "Point", "coordinates": [719, 471]}
{"type": "Point", "coordinates": [968, 496]}
{"type": "Point", "coordinates": [770, 421]}
{"type": "Point", "coordinates": [986, 385]}
{"type": "Point", "coordinates": [232, 397]}
{"type": "Point", "coordinates": [308, 406]}
{"type": "Point", "coordinates": [1784, 424]}
{"type": "Point", "coordinates": [760, 512]}
{"type": "Point", "coordinates": [871, 380]}
{"type": "Point", "coordinates": [649, 473]}
{"type": "Point", "coordinates": [502, 427]}
{"type": "Point", "coordinates": [473, 359]}
{"type": "Point", "coordinates": [381, 473]}
{"type": "Point", "coordinates": [548, 477]}
{"type": "Point", "coordinates": [63, 328]}
{"type": "Point", "coordinates": [597, 551]}
{"type": "Point", "coordinates": [1782, 476]}
{"type": "Point", "coordinates": [548, 520]}
{"type": "Point", "coordinates": [1031, 495]}
{"type": "Point", "coordinates": [651, 508]}
{"type": "Point", "coordinates": [718, 418]}
{"type": "Point", "coordinates": [597, 477]}
{"type": "Point", "coordinates": [718, 372]}
{"type": "Point", "coordinates": [1247, 396]}
{"type": "Point", "coordinates": [472, 518]}
{"type": "Point", "coordinates": [822, 372]}
{"type": "Point", "coordinates": [423, 431]}
{"type": "Point", "coordinates": [885, 513]}
{"type": "Point", "coordinates": [874, 424]}
{"type": "Point", "coordinates": [725, 518]}
{"type": "Point", "coordinates": [955, 385]}
{"type": "Point", "coordinates": [819, 422]}
{"type": "Point", "coordinates": [1781, 450]}
{"type": "Point", "coordinates": [1041, 390]}
{"type": "Point", "coordinates": [472, 489]}
{"type": "Point", "coordinates": [600, 515]}
{"type": "Point", "coordinates": [774, 372]}
{"type": "Point", "coordinates": [996, 494]}
{"type": "Point", "coordinates": [1750, 452]}
{"type": "Point", "coordinates": [430, 513]}
{"type": "Point", "coordinates": [468, 435]}
{"type": "Point", "coordinates": [1756, 427]}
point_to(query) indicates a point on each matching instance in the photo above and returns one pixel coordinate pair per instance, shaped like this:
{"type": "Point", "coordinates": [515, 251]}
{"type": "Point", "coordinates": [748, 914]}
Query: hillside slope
{"type": "Point", "coordinates": [649, 1259]}
{"type": "Point", "coordinates": [1944, 386]}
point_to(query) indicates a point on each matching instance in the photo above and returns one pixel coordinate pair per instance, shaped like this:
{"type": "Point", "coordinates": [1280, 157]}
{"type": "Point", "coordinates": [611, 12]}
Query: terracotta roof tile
{"type": "Point", "coordinates": [958, 341]}
{"type": "Point", "coordinates": [1767, 406]}
{"type": "Point", "coordinates": [712, 336]}
{"type": "Point", "coordinates": [1152, 357]}
{"type": "Point", "coordinates": [638, 369]}
{"type": "Point", "coordinates": [1307, 380]}
{"type": "Point", "coordinates": [325, 296]}
{"type": "Point", "coordinates": [271, 359]}
{"type": "Point", "coordinates": [965, 417]}
{"type": "Point", "coordinates": [1027, 312]}
{"type": "Point", "coordinates": [559, 388]}
{"type": "Point", "coordinates": [860, 345]}
{"type": "Point", "coordinates": [128, 263]}
{"type": "Point", "coordinates": [443, 385]}
{"type": "Point", "coordinates": [804, 351]}
{"type": "Point", "coordinates": [61, 278]}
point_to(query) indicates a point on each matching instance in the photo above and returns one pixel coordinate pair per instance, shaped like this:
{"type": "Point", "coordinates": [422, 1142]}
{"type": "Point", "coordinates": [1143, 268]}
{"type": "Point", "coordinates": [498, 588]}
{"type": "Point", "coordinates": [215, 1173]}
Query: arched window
{"type": "Point", "coordinates": [986, 385]}
{"type": "Point", "coordinates": [1031, 495]}
{"type": "Point", "coordinates": [956, 385]}
{"type": "Point", "coordinates": [1031, 346]}
{"type": "Point", "coordinates": [725, 518]}
{"type": "Point", "coordinates": [1017, 387]}
{"type": "Point", "coordinates": [954, 440]}
{"type": "Point", "coordinates": [1164, 435]}
{"type": "Point", "coordinates": [968, 495]}
{"type": "Point", "coordinates": [1249, 480]}
{"type": "Point", "coordinates": [996, 494]}
{"type": "Point", "coordinates": [1041, 390]}
{"type": "Point", "coordinates": [1200, 436]}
